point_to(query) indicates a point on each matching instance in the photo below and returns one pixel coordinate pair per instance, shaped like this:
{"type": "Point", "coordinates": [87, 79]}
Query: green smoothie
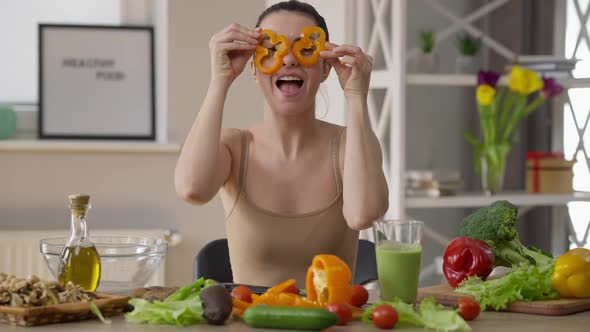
{"type": "Point", "coordinates": [398, 267]}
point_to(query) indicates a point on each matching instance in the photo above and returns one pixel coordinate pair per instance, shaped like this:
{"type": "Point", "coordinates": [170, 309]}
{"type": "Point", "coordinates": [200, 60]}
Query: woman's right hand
{"type": "Point", "coordinates": [231, 48]}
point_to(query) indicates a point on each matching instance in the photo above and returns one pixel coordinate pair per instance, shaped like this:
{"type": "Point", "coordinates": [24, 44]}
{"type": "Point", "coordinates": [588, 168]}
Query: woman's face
{"type": "Point", "coordinates": [293, 88]}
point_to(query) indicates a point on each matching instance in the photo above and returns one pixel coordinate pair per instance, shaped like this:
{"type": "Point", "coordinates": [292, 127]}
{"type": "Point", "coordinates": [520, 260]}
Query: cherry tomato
{"type": "Point", "coordinates": [291, 289]}
{"type": "Point", "coordinates": [385, 316]}
{"type": "Point", "coordinates": [360, 296]}
{"type": "Point", "coordinates": [242, 293]}
{"type": "Point", "coordinates": [468, 308]}
{"type": "Point", "coordinates": [342, 310]}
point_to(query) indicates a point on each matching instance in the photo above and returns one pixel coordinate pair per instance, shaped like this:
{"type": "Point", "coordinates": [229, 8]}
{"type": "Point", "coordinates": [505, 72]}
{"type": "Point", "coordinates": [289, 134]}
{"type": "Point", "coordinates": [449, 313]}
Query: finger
{"type": "Point", "coordinates": [348, 50]}
{"type": "Point", "coordinates": [330, 45]}
{"type": "Point", "coordinates": [338, 66]}
{"type": "Point", "coordinates": [237, 27]}
{"type": "Point", "coordinates": [233, 46]}
{"type": "Point", "coordinates": [329, 55]}
{"type": "Point", "coordinates": [350, 60]}
{"type": "Point", "coordinates": [236, 35]}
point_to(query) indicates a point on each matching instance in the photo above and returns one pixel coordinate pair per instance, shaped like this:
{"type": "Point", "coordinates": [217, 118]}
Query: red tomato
{"type": "Point", "coordinates": [468, 308]}
{"type": "Point", "coordinates": [360, 296]}
{"type": "Point", "coordinates": [242, 293]}
{"type": "Point", "coordinates": [385, 316]}
{"type": "Point", "coordinates": [291, 289]}
{"type": "Point", "coordinates": [342, 310]}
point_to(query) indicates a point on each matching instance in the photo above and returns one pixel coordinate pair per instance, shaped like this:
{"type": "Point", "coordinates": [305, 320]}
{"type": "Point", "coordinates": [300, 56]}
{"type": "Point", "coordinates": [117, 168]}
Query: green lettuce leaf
{"type": "Point", "coordinates": [524, 283]}
{"type": "Point", "coordinates": [181, 308]}
{"type": "Point", "coordinates": [430, 315]}
{"type": "Point", "coordinates": [181, 313]}
{"type": "Point", "coordinates": [189, 291]}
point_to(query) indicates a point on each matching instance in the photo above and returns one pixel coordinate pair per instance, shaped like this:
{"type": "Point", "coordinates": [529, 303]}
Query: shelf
{"type": "Point", "coordinates": [383, 79]}
{"type": "Point", "coordinates": [480, 199]}
{"type": "Point", "coordinates": [471, 80]}
{"type": "Point", "coordinates": [87, 146]}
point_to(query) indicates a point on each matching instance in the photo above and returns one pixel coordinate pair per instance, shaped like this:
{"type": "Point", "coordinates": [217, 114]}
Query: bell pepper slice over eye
{"type": "Point", "coordinates": [328, 280]}
{"type": "Point", "coordinates": [277, 48]}
{"type": "Point", "coordinates": [307, 49]}
{"type": "Point", "coordinates": [571, 274]}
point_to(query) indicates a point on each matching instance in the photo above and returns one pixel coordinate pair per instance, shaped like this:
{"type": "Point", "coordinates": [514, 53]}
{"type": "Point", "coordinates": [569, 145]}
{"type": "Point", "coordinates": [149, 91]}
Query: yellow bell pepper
{"type": "Point", "coordinates": [280, 48]}
{"type": "Point", "coordinates": [312, 39]}
{"type": "Point", "coordinates": [571, 275]}
{"type": "Point", "coordinates": [328, 280]}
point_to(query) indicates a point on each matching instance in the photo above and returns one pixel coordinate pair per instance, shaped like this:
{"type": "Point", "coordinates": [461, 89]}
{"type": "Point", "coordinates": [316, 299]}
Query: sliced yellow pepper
{"type": "Point", "coordinates": [571, 275]}
{"type": "Point", "coordinates": [307, 42]}
{"type": "Point", "coordinates": [328, 280]}
{"type": "Point", "coordinates": [280, 44]}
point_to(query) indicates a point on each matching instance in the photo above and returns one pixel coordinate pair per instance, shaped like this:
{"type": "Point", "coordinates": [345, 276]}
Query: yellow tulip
{"type": "Point", "coordinates": [524, 81]}
{"type": "Point", "coordinates": [485, 94]}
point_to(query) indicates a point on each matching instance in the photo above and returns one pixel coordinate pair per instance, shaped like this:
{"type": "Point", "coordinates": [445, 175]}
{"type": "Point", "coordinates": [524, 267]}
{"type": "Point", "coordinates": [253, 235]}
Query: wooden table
{"type": "Point", "coordinates": [487, 321]}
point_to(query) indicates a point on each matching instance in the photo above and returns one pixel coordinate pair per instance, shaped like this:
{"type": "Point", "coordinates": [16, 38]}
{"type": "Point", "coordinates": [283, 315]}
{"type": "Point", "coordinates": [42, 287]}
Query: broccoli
{"type": "Point", "coordinates": [496, 226]}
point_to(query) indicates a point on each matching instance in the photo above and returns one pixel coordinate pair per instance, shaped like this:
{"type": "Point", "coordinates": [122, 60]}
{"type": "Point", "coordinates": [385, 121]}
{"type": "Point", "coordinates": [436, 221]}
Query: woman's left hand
{"type": "Point", "coordinates": [352, 66]}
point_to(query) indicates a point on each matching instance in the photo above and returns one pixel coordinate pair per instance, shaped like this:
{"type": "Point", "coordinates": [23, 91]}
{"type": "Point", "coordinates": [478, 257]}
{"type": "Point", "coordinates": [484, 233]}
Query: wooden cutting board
{"type": "Point", "coordinates": [444, 295]}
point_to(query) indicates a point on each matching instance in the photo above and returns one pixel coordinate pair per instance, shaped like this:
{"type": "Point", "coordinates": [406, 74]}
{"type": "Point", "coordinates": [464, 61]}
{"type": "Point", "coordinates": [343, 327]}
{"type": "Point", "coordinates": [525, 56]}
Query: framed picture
{"type": "Point", "coordinates": [96, 82]}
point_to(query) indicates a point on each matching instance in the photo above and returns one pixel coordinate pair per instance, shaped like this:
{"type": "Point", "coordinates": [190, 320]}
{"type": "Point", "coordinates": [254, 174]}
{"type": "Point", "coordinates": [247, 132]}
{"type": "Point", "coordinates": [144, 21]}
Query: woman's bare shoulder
{"type": "Point", "coordinates": [232, 139]}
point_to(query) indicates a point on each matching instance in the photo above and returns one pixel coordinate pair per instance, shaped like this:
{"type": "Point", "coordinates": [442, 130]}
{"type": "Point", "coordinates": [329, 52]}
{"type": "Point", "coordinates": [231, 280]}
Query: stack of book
{"type": "Point", "coordinates": [548, 66]}
{"type": "Point", "coordinates": [427, 183]}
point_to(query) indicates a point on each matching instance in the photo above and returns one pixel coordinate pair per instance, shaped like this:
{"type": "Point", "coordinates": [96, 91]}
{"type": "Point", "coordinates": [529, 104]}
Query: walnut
{"type": "Point", "coordinates": [4, 297]}
{"type": "Point", "coordinates": [35, 292]}
{"type": "Point", "coordinates": [16, 300]}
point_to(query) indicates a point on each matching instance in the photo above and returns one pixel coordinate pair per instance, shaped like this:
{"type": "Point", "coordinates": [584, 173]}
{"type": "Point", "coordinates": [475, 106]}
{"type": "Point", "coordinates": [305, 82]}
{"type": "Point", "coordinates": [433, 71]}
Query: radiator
{"type": "Point", "coordinates": [20, 254]}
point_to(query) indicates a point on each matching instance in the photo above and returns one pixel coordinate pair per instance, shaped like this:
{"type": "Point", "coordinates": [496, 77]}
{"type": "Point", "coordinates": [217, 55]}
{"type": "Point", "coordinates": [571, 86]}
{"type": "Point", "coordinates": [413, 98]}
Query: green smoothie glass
{"type": "Point", "coordinates": [398, 250]}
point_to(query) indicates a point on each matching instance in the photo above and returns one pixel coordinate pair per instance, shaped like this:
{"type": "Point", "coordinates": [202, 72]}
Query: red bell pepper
{"type": "Point", "coordinates": [465, 257]}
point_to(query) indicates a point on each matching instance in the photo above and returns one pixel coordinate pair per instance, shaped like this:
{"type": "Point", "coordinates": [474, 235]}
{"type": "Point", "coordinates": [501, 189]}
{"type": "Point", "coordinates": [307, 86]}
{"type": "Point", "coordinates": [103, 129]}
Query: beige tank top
{"type": "Point", "coordinates": [266, 248]}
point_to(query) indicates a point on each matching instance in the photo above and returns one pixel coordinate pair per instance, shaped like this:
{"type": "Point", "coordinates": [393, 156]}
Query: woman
{"type": "Point", "coordinates": [292, 186]}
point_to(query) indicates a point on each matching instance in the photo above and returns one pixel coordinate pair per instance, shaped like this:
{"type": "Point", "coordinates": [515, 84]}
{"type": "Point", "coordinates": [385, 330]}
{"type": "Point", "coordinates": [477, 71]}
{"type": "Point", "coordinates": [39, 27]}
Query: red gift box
{"type": "Point", "coordinates": [548, 172]}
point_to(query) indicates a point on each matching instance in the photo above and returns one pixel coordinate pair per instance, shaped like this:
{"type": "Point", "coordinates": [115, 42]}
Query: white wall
{"type": "Point", "coordinates": [132, 189]}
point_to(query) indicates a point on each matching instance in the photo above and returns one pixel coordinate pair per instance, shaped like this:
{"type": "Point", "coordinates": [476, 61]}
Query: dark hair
{"type": "Point", "coordinates": [299, 7]}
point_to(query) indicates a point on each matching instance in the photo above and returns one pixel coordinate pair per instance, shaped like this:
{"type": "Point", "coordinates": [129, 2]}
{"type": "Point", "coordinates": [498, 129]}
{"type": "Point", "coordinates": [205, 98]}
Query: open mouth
{"type": "Point", "coordinates": [289, 84]}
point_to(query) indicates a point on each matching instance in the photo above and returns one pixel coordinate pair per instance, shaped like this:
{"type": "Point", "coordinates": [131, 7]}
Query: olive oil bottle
{"type": "Point", "coordinates": [79, 261]}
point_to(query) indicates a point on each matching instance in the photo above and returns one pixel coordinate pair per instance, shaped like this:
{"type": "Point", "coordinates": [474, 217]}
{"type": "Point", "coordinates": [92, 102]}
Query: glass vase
{"type": "Point", "coordinates": [492, 167]}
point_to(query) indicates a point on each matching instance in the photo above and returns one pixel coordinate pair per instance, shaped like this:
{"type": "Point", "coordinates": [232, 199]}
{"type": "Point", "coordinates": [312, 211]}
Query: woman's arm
{"type": "Point", "coordinates": [204, 163]}
{"type": "Point", "coordinates": [365, 192]}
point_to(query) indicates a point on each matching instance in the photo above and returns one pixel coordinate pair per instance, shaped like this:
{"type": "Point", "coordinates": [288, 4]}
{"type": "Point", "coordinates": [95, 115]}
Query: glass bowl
{"type": "Point", "coordinates": [126, 262]}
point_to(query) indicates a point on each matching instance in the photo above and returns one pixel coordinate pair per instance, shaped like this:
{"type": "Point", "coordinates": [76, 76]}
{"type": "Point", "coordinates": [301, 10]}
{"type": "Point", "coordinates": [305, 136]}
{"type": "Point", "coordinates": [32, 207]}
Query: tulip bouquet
{"type": "Point", "coordinates": [500, 111]}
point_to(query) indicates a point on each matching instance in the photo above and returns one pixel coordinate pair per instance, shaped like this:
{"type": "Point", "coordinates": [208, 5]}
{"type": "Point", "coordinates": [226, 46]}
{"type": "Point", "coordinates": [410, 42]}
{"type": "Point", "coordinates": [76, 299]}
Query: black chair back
{"type": "Point", "coordinates": [212, 262]}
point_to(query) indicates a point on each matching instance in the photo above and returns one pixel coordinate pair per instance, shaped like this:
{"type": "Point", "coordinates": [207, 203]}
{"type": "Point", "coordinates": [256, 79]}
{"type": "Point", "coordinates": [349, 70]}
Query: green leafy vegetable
{"type": "Point", "coordinates": [524, 283]}
{"type": "Point", "coordinates": [187, 292]}
{"type": "Point", "coordinates": [430, 315]}
{"type": "Point", "coordinates": [96, 311]}
{"type": "Point", "coordinates": [181, 313]}
{"type": "Point", "coordinates": [183, 307]}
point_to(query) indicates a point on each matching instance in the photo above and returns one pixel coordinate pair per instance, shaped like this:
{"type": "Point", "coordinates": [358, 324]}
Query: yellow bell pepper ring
{"type": "Point", "coordinates": [278, 50]}
{"type": "Point", "coordinates": [571, 275]}
{"type": "Point", "coordinates": [313, 39]}
{"type": "Point", "coordinates": [328, 280]}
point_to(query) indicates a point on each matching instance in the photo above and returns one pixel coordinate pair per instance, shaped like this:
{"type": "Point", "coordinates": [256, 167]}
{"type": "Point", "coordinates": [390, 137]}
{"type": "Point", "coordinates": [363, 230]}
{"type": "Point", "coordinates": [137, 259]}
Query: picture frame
{"type": "Point", "coordinates": [96, 82]}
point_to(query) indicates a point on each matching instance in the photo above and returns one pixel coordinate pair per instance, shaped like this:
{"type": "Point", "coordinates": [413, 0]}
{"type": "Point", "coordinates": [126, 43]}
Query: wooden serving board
{"type": "Point", "coordinates": [109, 305]}
{"type": "Point", "coordinates": [444, 295]}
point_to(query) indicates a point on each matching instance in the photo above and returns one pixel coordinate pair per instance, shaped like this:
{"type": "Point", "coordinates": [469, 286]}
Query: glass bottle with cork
{"type": "Point", "coordinates": [79, 261]}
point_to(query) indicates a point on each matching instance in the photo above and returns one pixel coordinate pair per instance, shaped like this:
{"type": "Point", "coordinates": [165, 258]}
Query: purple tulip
{"type": "Point", "coordinates": [488, 77]}
{"type": "Point", "coordinates": [550, 88]}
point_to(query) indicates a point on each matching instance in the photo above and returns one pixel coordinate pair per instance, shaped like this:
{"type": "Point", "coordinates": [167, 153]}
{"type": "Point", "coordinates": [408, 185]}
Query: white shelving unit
{"type": "Point", "coordinates": [391, 41]}
{"type": "Point", "coordinates": [87, 146]}
{"type": "Point", "coordinates": [381, 28]}
{"type": "Point", "coordinates": [522, 199]}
